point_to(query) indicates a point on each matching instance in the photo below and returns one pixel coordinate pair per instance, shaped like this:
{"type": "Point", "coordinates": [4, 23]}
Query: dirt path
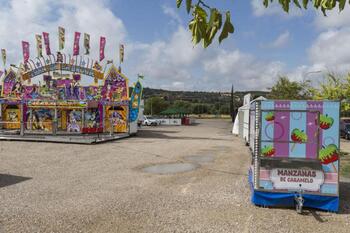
{"type": "Point", "coordinates": [47, 187]}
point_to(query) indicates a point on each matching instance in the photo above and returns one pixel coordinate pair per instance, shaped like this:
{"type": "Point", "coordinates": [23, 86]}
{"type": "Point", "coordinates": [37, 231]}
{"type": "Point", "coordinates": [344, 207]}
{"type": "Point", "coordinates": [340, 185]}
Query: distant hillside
{"type": "Point", "coordinates": [199, 96]}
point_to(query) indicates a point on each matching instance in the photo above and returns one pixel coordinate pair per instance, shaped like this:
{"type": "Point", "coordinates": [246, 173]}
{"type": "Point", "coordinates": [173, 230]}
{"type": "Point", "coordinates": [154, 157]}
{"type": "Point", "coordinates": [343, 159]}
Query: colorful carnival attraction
{"type": "Point", "coordinates": [74, 99]}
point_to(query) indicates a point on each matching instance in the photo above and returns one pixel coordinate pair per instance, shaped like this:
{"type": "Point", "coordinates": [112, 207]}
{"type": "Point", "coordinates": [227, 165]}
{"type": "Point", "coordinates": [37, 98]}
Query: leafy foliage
{"type": "Point", "coordinates": [334, 88]}
{"type": "Point", "coordinates": [323, 5]}
{"type": "Point", "coordinates": [290, 90]}
{"type": "Point", "coordinates": [195, 102]}
{"type": "Point", "coordinates": [204, 29]}
{"type": "Point", "coordinates": [155, 105]}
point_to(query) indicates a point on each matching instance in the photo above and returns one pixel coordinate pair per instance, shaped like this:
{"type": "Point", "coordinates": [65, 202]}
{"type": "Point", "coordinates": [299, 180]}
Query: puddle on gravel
{"type": "Point", "coordinates": [170, 168]}
{"type": "Point", "coordinates": [199, 158]}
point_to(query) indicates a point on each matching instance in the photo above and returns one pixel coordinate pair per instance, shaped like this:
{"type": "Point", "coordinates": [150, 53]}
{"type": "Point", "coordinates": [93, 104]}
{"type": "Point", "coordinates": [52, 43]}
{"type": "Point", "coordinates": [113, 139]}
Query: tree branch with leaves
{"type": "Point", "coordinates": [204, 28]}
{"type": "Point", "coordinates": [207, 21]}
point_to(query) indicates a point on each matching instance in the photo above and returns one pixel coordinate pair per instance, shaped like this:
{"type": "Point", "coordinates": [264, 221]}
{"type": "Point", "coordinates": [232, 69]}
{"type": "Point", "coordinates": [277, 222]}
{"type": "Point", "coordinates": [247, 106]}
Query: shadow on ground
{"type": "Point", "coordinates": [7, 180]}
{"type": "Point", "coordinates": [344, 194]}
{"type": "Point", "coordinates": [160, 134]}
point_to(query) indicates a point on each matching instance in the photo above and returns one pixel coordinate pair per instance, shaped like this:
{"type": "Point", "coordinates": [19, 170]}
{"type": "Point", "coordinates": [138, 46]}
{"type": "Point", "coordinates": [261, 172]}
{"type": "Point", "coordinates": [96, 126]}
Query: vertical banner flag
{"type": "Point", "coordinates": [61, 39]}
{"type": "Point", "coordinates": [25, 47]}
{"type": "Point", "coordinates": [47, 43]}
{"type": "Point", "coordinates": [121, 53]}
{"type": "Point", "coordinates": [87, 43]}
{"type": "Point", "coordinates": [102, 47]}
{"type": "Point", "coordinates": [39, 45]}
{"type": "Point", "coordinates": [3, 55]}
{"type": "Point", "coordinates": [76, 44]}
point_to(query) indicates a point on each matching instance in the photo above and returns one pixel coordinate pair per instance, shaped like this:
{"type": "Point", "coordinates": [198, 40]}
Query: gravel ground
{"type": "Point", "coordinates": [47, 187]}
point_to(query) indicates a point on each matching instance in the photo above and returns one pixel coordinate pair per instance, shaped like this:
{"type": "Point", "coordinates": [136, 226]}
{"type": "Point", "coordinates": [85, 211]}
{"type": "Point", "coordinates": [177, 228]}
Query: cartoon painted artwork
{"type": "Point", "coordinates": [12, 119]}
{"type": "Point", "coordinates": [268, 151]}
{"type": "Point", "coordinates": [16, 90]}
{"type": "Point", "coordinates": [60, 92]}
{"type": "Point", "coordinates": [117, 119]}
{"type": "Point", "coordinates": [11, 85]}
{"type": "Point", "coordinates": [115, 86]}
{"type": "Point", "coordinates": [298, 136]}
{"type": "Point", "coordinates": [92, 118]}
{"type": "Point", "coordinates": [298, 130]}
{"type": "Point", "coordinates": [74, 121]}
{"type": "Point", "coordinates": [326, 121]}
{"type": "Point", "coordinates": [135, 99]}
{"type": "Point", "coordinates": [270, 116]}
{"type": "Point", "coordinates": [41, 120]}
{"type": "Point", "coordinates": [329, 155]}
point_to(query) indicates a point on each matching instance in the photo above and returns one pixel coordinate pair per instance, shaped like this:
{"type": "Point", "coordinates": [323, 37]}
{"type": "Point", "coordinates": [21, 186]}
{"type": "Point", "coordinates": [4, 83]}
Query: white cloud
{"type": "Point", "coordinates": [330, 51]}
{"type": "Point", "coordinates": [21, 20]}
{"type": "Point", "coordinates": [167, 10]}
{"type": "Point", "coordinates": [334, 19]}
{"type": "Point", "coordinates": [243, 70]}
{"type": "Point", "coordinates": [172, 63]}
{"type": "Point", "coordinates": [280, 42]}
{"type": "Point", "coordinates": [273, 9]}
{"type": "Point", "coordinates": [169, 61]}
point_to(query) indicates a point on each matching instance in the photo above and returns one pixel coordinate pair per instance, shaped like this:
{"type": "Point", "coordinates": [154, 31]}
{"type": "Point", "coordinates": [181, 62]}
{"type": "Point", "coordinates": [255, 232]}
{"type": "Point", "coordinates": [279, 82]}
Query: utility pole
{"type": "Point", "coordinates": [232, 110]}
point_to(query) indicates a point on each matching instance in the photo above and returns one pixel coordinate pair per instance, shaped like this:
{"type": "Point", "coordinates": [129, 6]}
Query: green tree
{"type": "Point", "coordinates": [155, 105]}
{"type": "Point", "coordinates": [290, 90]}
{"type": "Point", "coordinates": [207, 21]}
{"type": "Point", "coordinates": [334, 88]}
{"type": "Point", "coordinates": [224, 109]}
{"type": "Point", "coordinates": [180, 104]}
{"type": "Point", "coordinates": [200, 109]}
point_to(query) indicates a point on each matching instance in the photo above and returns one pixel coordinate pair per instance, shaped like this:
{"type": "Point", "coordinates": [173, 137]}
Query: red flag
{"type": "Point", "coordinates": [102, 47]}
{"type": "Point", "coordinates": [25, 47]}
{"type": "Point", "coordinates": [76, 44]}
{"type": "Point", "coordinates": [47, 43]}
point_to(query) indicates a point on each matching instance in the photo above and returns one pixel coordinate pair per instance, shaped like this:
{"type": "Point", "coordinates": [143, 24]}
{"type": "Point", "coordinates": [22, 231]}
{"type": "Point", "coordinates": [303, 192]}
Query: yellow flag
{"type": "Point", "coordinates": [121, 53]}
{"type": "Point", "coordinates": [87, 43]}
{"type": "Point", "coordinates": [39, 45]}
{"type": "Point", "coordinates": [61, 38]}
{"type": "Point", "coordinates": [3, 55]}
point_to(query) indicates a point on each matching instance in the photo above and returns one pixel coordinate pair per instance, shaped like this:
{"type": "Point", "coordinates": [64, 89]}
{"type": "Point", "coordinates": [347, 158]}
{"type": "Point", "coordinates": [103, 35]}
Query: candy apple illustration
{"type": "Point", "coordinates": [268, 151]}
{"type": "Point", "coordinates": [270, 116]}
{"type": "Point", "coordinates": [329, 154]}
{"type": "Point", "coordinates": [298, 136]}
{"type": "Point", "coordinates": [326, 121]}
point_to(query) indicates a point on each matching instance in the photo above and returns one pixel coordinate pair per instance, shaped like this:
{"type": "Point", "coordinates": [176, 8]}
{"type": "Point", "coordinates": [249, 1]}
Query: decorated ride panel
{"type": "Point", "coordinates": [62, 63]}
{"type": "Point", "coordinates": [69, 97]}
{"type": "Point", "coordinates": [299, 146]}
{"type": "Point", "coordinates": [135, 101]}
{"type": "Point", "coordinates": [116, 119]}
{"type": "Point", "coordinates": [115, 87]}
{"type": "Point", "coordinates": [11, 116]}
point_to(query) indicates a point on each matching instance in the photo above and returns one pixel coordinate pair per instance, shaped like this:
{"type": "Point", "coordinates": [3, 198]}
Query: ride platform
{"type": "Point", "coordinates": [67, 138]}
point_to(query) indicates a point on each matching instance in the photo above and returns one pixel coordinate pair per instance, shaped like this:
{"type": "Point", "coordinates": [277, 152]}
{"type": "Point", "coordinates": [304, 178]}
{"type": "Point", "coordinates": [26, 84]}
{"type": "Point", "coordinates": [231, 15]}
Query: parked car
{"type": "Point", "coordinates": [345, 131]}
{"type": "Point", "coordinates": [147, 120]}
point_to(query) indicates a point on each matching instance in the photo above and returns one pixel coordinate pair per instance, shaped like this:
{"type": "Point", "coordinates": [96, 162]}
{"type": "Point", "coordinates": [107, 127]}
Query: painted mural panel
{"type": "Point", "coordinates": [135, 101]}
{"type": "Point", "coordinates": [307, 130]}
{"type": "Point", "coordinates": [41, 119]}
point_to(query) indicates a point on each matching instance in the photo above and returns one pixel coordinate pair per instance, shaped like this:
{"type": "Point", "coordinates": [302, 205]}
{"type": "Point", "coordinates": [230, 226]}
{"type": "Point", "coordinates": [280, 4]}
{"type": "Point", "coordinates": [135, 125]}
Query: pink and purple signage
{"type": "Point", "coordinates": [304, 130]}
{"type": "Point", "coordinates": [102, 47]}
{"type": "Point", "coordinates": [76, 44]}
{"type": "Point", "coordinates": [47, 43]}
{"type": "Point", "coordinates": [25, 48]}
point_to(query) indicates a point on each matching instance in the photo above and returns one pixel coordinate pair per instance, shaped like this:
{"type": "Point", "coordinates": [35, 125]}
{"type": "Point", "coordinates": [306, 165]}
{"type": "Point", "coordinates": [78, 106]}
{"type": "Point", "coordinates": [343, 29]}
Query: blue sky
{"type": "Point", "coordinates": [266, 43]}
